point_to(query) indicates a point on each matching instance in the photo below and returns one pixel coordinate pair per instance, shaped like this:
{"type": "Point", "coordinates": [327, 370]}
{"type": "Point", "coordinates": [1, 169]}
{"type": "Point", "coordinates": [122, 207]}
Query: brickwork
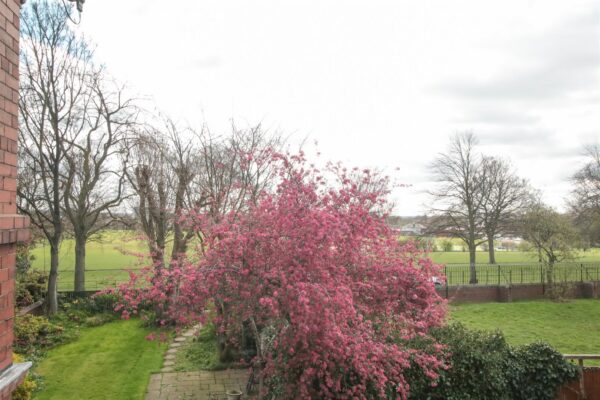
{"type": "Point", "coordinates": [13, 227]}
{"type": "Point", "coordinates": [494, 293]}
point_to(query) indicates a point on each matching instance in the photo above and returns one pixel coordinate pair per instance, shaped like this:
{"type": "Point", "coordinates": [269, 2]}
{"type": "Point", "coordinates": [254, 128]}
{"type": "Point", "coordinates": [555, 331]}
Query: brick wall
{"type": "Point", "coordinates": [494, 293]}
{"type": "Point", "coordinates": [13, 227]}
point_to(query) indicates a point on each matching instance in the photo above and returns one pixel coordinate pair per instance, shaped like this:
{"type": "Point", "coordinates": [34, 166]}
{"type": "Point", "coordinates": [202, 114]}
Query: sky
{"type": "Point", "coordinates": [380, 84]}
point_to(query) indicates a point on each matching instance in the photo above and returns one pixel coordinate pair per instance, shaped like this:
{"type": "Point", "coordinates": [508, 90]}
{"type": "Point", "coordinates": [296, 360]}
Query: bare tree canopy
{"type": "Point", "coordinates": [551, 234]}
{"type": "Point", "coordinates": [94, 175]}
{"type": "Point", "coordinates": [505, 197]}
{"type": "Point", "coordinates": [73, 120]}
{"type": "Point", "coordinates": [585, 200]}
{"type": "Point", "coordinates": [173, 171]}
{"type": "Point", "coordinates": [56, 69]}
{"type": "Point", "coordinates": [458, 197]}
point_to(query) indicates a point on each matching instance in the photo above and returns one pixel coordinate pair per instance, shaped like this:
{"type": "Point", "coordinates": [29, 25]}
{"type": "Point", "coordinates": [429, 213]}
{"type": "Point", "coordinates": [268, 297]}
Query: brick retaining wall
{"type": "Point", "coordinates": [502, 293]}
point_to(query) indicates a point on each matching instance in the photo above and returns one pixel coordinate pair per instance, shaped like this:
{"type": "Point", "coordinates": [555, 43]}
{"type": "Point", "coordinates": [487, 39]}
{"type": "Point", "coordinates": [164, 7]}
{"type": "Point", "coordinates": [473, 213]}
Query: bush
{"type": "Point", "coordinates": [447, 245]}
{"type": "Point", "coordinates": [34, 333]}
{"type": "Point", "coordinates": [23, 257]}
{"type": "Point", "coordinates": [92, 311]}
{"type": "Point", "coordinates": [482, 365]}
{"type": "Point", "coordinates": [536, 371]}
{"type": "Point", "coordinates": [25, 390]}
{"type": "Point", "coordinates": [202, 352]}
{"type": "Point", "coordinates": [30, 287]}
{"type": "Point", "coordinates": [475, 360]}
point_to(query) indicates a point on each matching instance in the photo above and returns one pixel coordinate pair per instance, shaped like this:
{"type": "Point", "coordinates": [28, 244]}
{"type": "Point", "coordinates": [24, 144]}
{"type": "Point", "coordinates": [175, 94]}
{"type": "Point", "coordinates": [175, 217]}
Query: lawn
{"type": "Point", "coordinates": [113, 361]}
{"type": "Point", "coordinates": [107, 251]}
{"type": "Point", "coordinates": [570, 327]}
{"type": "Point", "coordinates": [107, 256]}
{"type": "Point", "coordinates": [482, 257]}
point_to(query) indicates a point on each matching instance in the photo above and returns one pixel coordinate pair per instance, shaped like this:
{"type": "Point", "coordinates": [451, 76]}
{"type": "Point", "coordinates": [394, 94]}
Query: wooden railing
{"type": "Point", "coordinates": [581, 358]}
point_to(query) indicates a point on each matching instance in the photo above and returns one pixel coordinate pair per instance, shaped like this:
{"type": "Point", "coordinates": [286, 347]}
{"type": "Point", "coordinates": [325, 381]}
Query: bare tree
{"type": "Point", "coordinates": [551, 234]}
{"type": "Point", "coordinates": [458, 198]}
{"type": "Point", "coordinates": [94, 178]}
{"type": "Point", "coordinates": [55, 71]}
{"type": "Point", "coordinates": [233, 169]}
{"type": "Point", "coordinates": [505, 196]}
{"type": "Point", "coordinates": [173, 171]}
{"type": "Point", "coordinates": [149, 178]}
{"type": "Point", "coordinates": [585, 198]}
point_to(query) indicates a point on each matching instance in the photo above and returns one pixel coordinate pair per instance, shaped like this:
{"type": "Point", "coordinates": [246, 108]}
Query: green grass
{"type": "Point", "coordinates": [109, 254]}
{"type": "Point", "coordinates": [460, 257]}
{"type": "Point", "coordinates": [113, 361]}
{"type": "Point", "coordinates": [106, 257]}
{"type": "Point", "coordinates": [569, 327]}
{"type": "Point", "coordinates": [107, 251]}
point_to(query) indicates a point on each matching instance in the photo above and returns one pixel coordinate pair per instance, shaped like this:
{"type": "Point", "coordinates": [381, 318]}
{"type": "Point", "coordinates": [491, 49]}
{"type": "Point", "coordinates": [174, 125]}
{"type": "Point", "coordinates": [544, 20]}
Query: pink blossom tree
{"type": "Point", "coordinates": [330, 297]}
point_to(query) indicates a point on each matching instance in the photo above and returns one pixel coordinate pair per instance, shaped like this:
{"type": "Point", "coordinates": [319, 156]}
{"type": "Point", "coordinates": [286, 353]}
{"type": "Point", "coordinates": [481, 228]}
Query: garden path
{"type": "Point", "coordinates": [192, 385]}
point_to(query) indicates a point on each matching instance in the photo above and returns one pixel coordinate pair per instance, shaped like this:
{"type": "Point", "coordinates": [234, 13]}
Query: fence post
{"type": "Point", "coordinates": [542, 278]}
{"type": "Point", "coordinates": [447, 279]}
{"type": "Point", "coordinates": [581, 271]}
{"type": "Point", "coordinates": [498, 274]}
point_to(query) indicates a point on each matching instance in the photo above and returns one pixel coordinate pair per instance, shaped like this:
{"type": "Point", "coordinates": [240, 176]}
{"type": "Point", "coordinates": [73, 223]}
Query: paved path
{"type": "Point", "coordinates": [196, 385]}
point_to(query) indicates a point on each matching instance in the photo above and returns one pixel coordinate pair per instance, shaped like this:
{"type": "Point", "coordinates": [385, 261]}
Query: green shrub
{"type": "Point", "coordinates": [482, 365]}
{"type": "Point", "coordinates": [24, 258]}
{"type": "Point", "coordinates": [34, 333]}
{"type": "Point", "coordinates": [476, 366]}
{"type": "Point", "coordinates": [91, 311]}
{"type": "Point", "coordinates": [25, 390]}
{"type": "Point", "coordinates": [201, 352]}
{"type": "Point", "coordinates": [535, 371]}
{"type": "Point", "coordinates": [99, 319]}
{"type": "Point", "coordinates": [447, 245]}
{"type": "Point", "coordinates": [30, 287]}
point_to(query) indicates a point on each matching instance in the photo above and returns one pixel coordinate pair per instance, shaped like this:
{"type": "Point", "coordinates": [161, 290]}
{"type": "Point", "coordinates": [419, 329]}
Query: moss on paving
{"type": "Point", "coordinates": [113, 361]}
{"type": "Point", "coordinates": [200, 352]}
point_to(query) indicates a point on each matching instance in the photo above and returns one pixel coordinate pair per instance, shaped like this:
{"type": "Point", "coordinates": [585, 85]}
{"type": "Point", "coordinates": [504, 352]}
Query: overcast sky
{"type": "Point", "coordinates": [375, 83]}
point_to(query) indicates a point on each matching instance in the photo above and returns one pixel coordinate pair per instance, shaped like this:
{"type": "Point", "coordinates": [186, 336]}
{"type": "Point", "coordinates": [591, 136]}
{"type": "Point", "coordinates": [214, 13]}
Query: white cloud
{"type": "Point", "coordinates": [358, 76]}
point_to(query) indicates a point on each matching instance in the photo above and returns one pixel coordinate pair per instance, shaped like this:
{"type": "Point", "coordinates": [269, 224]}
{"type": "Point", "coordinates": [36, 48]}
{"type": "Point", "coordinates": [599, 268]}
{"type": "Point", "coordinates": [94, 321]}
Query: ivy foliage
{"type": "Point", "coordinates": [482, 365]}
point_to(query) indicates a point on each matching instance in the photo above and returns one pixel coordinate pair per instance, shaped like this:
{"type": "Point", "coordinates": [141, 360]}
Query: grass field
{"type": "Point", "coordinates": [107, 251]}
{"type": "Point", "coordinates": [110, 253]}
{"type": "Point", "coordinates": [460, 257]}
{"type": "Point", "coordinates": [569, 327]}
{"type": "Point", "coordinates": [113, 361]}
{"type": "Point", "coordinates": [106, 256]}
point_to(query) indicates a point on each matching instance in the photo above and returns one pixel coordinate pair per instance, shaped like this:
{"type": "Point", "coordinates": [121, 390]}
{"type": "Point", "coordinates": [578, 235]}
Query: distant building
{"type": "Point", "coordinates": [412, 229]}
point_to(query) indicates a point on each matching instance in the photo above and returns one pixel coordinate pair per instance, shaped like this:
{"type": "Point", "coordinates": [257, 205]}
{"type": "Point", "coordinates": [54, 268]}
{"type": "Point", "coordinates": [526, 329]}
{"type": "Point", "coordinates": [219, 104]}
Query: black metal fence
{"type": "Point", "coordinates": [95, 279]}
{"type": "Point", "coordinates": [520, 273]}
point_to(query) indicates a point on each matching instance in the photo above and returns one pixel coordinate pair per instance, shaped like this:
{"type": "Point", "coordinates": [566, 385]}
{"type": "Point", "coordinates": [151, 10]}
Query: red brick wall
{"type": "Point", "coordinates": [13, 227]}
{"type": "Point", "coordinates": [533, 291]}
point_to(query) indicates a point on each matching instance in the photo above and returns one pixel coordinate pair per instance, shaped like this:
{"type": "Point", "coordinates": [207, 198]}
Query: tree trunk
{"type": "Point", "coordinates": [550, 273]}
{"type": "Point", "coordinates": [491, 250]}
{"type": "Point", "coordinates": [472, 269]}
{"type": "Point", "coordinates": [259, 355]}
{"type": "Point", "coordinates": [79, 263]}
{"type": "Point", "coordinates": [51, 296]}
